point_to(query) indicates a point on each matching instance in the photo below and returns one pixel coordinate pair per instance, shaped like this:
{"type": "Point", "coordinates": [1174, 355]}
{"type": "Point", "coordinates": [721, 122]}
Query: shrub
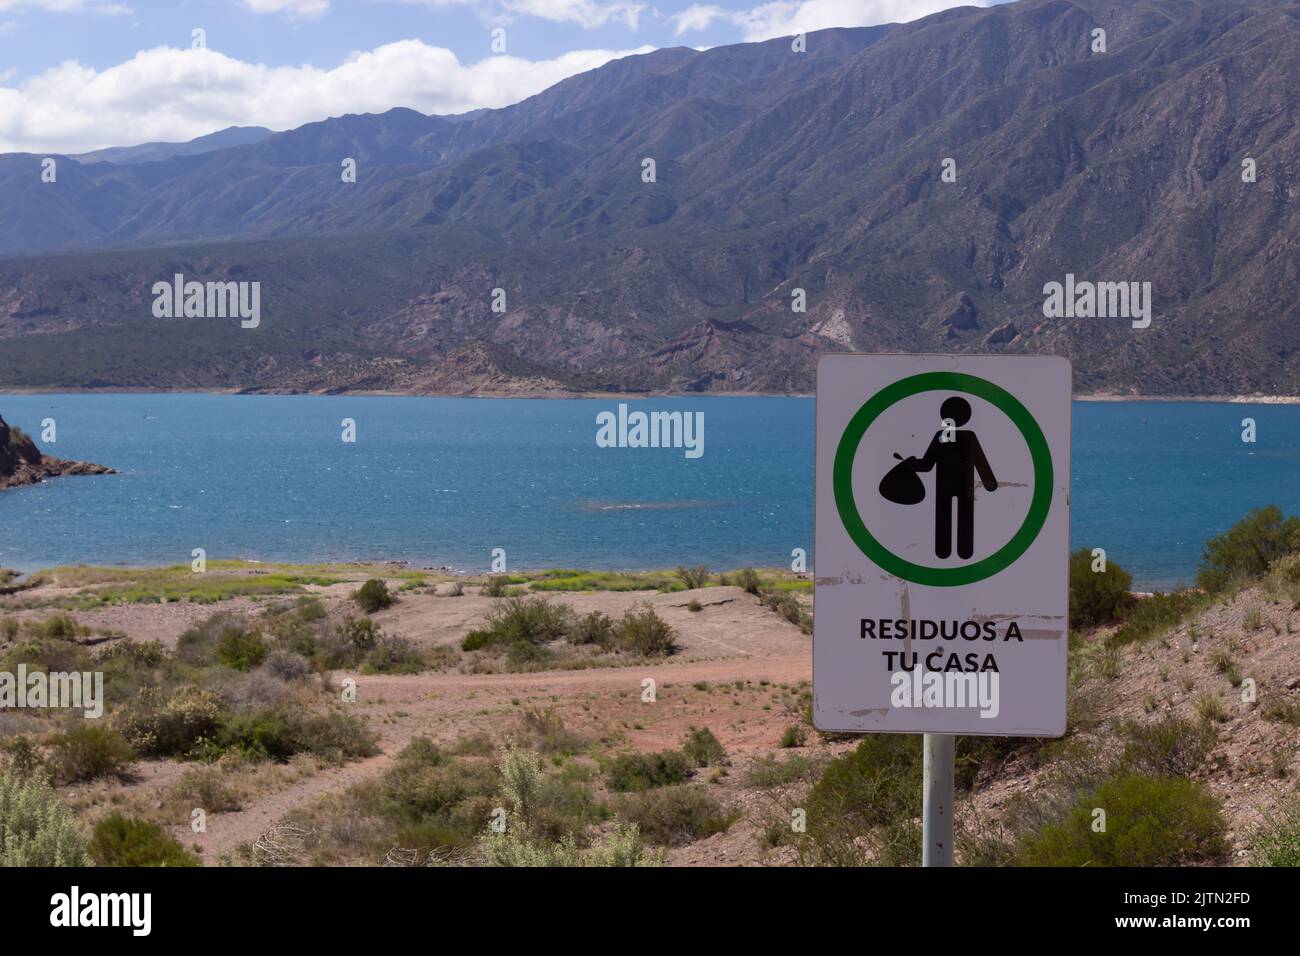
{"type": "Point", "coordinates": [1247, 548]}
{"type": "Point", "coordinates": [703, 749]}
{"type": "Point", "coordinates": [1167, 748]}
{"type": "Point", "coordinates": [768, 772]}
{"type": "Point", "coordinates": [1210, 708]}
{"type": "Point", "coordinates": [393, 655]}
{"type": "Point", "coordinates": [1149, 617]}
{"type": "Point", "coordinates": [1150, 821]}
{"type": "Point", "coordinates": [595, 628]}
{"type": "Point", "coordinates": [1096, 597]}
{"type": "Point", "coordinates": [198, 645]}
{"type": "Point", "coordinates": [1277, 843]}
{"type": "Point", "coordinates": [124, 841]}
{"type": "Point", "coordinates": [496, 586]}
{"type": "Point", "coordinates": [877, 781]}
{"type": "Point", "coordinates": [787, 605]}
{"type": "Point", "coordinates": [545, 731]}
{"type": "Point", "coordinates": [748, 581]}
{"type": "Point", "coordinates": [693, 577]}
{"type": "Point", "coordinates": [642, 631]}
{"type": "Point", "coordinates": [24, 756]}
{"type": "Point", "coordinates": [87, 753]}
{"type": "Point", "coordinates": [645, 771]}
{"type": "Point", "coordinates": [173, 729]}
{"type": "Point", "coordinates": [287, 666]}
{"type": "Point", "coordinates": [521, 782]}
{"type": "Point", "coordinates": [359, 633]}
{"type": "Point", "coordinates": [205, 786]}
{"type": "Point", "coordinates": [272, 735]}
{"type": "Point", "coordinates": [520, 619]}
{"type": "Point", "coordinates": [673, 816]}
{"type": "Point", "coordinates": [373, 596]}
{"type": "Point", "coordinates": [796, 735]}
{"type": "Point", "coordinates": [241, 650]}
{"type": "Point", "coordinates": [36, 827]}
{"type": "Point", "coordinates": [1281, 709]}
{"type": "Point", "coordinates": [622, 847]}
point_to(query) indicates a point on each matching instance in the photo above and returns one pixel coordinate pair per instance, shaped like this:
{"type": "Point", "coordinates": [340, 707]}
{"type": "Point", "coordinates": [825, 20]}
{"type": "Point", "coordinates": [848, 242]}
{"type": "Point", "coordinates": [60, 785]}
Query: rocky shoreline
{"type": "Point", "coordinates": [21, 462]}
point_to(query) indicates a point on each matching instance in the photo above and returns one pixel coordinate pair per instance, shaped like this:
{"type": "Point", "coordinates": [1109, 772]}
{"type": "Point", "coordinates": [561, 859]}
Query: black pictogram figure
{"type": "Point", "coordinates": [956, 456]}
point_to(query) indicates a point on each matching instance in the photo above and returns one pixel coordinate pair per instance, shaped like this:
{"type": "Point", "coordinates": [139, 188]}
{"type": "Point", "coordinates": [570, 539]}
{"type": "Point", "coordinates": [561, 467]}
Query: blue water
{"type": "Point", "coordinates": [444, 481]}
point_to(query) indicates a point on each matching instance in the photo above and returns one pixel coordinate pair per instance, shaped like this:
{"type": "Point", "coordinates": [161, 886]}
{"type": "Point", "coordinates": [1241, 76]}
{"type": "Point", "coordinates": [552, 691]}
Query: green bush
{"type": "Point", "coordinates": [1152, 616]}
{"type": "Point", "coordinates": [373, 596]}
{"type": "Point", "coordinates": [87, 753]}
{"type": "Point", "coordinates": [703, 749]}
{"type": "Point", "coordinates": [175, 728]}
{"type": "Point", "coordinates": [272, 735]}
{"type": "Point", "coordinates": [1150, 821]}
{"type": "Point", "coordinates": [862, 809]}
{"type": "Point", "coordinates": [1246, 549]}
{"type": "Point", "coordinates": [796, 735]}
{"type": "Point", "coordinates": [36, 827]}
{"type": "Point", "coordinates": [197, 646]}
{"type": "Point", "coordinates": [1277, 843]}
{"type": "Point", "coordinates": [748, 581]}
{"type": "Point", "coordinates": [693, 577]}
{"type": "Point", "coordinates": [519, 619]}
{"type": "Point", "coordinates": [645, 771]}
{"type": "Point", "coordinates": [673, 816]}
{"type": "Point", "coordinates": [241, 650]}
{"type": "Point", "coordinates": [1096, 597]}
{"type": "Point", "coordinates": [622, 847]}
{"type": "Point", "coordinates": [1172, 747]}
{"type": "Point", "coordinates": [642, 631]}
{"type": "Point", "coordinates": [595, 628]}
{"type": "Point", "coordinates": [496, 586]}
{"type": "Point", "coordinates": [393, 655]}
{"type": "Point", "coordinates": [359, 633]}
{"type": "Point", "coordinates": [125, 841]}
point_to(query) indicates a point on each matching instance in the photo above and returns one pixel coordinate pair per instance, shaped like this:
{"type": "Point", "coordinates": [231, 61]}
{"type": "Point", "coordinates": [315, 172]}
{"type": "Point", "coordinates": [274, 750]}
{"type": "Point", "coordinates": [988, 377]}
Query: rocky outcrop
{"type": "Point", "coordinates": [21, 462]}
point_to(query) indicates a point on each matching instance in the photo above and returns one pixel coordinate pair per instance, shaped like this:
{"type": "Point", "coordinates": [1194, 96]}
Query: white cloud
{"type": "Point", "coordinates": [786, 17]}
{"type": "Point", "coordinates": [294, 8]}
{"type": "Point", "coordinates": [697, 17]}
{"type": "Point", "coordinates": [170, 94]}
{"type": "Point", "coordinates": [67, 6]}
{"type": "Point", "coordinates": [586, 13]}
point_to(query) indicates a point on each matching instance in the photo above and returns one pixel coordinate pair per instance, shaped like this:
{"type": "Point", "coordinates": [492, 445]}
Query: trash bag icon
{"type": "Point", "coordinates": [901, 484]}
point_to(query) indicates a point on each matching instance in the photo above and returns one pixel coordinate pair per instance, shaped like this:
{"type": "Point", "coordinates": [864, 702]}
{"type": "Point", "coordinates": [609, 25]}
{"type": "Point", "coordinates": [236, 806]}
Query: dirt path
{"type": "Point", "coordinates": [447, 706]}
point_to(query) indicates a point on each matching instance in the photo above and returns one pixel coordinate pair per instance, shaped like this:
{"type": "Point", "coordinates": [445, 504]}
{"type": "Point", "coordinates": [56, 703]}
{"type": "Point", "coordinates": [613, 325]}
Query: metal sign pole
{"type": "Point", "coordinates": [936, 813]}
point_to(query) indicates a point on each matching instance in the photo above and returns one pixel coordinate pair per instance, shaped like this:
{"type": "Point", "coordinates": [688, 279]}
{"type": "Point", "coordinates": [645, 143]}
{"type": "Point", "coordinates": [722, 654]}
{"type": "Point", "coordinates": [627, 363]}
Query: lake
{"type": "Point", "coordinates": [444, 481]}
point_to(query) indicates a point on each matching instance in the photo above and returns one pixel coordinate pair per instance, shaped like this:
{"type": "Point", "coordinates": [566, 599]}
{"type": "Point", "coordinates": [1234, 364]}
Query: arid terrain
{"type": "Point", "coordinates": [741, 667]}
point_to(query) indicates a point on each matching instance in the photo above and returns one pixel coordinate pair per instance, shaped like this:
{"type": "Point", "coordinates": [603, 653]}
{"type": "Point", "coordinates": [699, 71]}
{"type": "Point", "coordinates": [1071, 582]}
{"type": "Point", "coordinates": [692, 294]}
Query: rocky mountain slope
{"type": "Point", "coordinates": [775, 172]}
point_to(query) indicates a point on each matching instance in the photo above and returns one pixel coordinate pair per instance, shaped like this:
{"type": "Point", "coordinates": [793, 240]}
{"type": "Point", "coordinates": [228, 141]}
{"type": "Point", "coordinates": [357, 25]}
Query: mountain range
{"type": "Point", "coordinates": [916, 186]}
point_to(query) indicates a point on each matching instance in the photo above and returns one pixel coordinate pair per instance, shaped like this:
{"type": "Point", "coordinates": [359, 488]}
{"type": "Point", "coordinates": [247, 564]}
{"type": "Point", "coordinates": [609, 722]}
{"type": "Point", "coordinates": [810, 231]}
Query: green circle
{"type": "Point", "coordinates": [1009, 405]}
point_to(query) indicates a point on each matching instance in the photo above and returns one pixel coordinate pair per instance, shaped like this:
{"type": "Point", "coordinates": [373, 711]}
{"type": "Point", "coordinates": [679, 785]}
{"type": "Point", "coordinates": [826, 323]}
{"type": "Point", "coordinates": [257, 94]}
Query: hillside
{"type": "Point", "coordinates": [775, 171]}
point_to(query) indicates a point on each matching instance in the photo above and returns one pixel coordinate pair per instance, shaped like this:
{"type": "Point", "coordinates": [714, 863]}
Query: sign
{"type": "Point", "coordinates": [941, 548]}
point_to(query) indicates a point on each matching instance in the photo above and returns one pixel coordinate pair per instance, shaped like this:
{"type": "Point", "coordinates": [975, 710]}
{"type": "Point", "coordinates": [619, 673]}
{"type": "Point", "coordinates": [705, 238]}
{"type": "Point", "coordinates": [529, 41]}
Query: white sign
{"type": "Point", "coordinates": [942, 544]}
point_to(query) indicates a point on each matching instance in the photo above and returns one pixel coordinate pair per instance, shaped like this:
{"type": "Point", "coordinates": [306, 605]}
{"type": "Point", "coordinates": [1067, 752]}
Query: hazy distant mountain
{"type": "Point", "coordinates": [775, 171]}
{"type": "Point", "coordinates": [152, 152]}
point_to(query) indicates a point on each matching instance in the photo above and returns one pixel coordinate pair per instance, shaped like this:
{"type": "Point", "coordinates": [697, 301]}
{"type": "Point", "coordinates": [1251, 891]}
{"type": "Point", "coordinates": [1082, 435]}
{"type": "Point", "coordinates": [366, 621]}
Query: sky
{"type": "Point", "coordinates": [77, 75]}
